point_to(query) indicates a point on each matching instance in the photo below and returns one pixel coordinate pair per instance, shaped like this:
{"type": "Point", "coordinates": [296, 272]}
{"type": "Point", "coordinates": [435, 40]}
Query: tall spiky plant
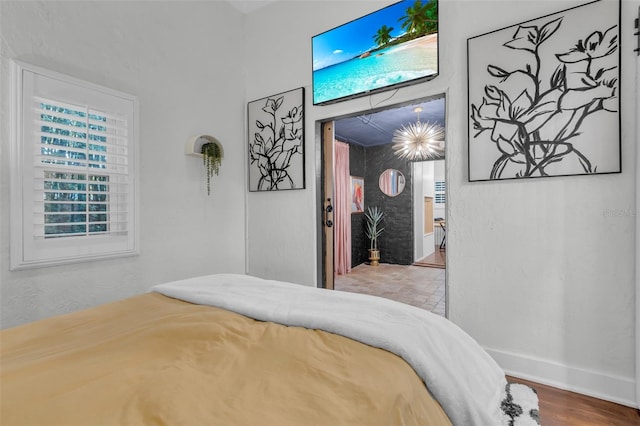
{"type": "Point", "coordinates": [373, 217]}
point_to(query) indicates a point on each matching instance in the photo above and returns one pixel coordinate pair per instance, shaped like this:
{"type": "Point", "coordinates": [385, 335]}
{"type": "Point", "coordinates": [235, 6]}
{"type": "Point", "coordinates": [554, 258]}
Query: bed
{"type": "Point", "coordinates": [231, 349]}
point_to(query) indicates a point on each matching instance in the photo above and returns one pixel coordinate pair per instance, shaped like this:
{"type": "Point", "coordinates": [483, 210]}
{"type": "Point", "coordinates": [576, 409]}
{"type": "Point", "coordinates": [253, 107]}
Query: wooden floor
{"type": "Point", "coordinates": [563, 408]}
{"type": "Point", "coordinates": [437, 259]}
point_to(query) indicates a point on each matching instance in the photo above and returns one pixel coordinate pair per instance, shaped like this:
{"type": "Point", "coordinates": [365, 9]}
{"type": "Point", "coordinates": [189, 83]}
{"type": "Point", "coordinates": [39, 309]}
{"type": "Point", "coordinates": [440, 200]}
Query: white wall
{"type": "Point", "coordinates": [183, 60]}
{"type": "Point", "coordinates": [539, 272]}
{"type": "Point", "coordinates": [423, 186]}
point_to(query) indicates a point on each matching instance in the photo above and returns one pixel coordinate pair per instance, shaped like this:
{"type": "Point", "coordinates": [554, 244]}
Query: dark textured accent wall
{"type": "Point", "coordinates": [396, 242]}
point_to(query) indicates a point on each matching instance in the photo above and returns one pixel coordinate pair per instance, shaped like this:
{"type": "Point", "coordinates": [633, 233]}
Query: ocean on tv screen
{"type": "Point", "coordinates": [394, 65]}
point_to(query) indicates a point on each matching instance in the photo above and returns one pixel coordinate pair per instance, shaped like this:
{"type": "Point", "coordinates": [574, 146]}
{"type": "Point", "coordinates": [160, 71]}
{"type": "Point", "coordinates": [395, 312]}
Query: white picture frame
{"type": "Point", "coordinates": [276, 142]}
{"type": "Point", "coordinates": [544, 96]}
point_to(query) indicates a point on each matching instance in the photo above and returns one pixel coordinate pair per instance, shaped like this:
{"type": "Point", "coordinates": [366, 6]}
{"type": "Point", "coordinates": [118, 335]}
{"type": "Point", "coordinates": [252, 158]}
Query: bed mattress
{"type": "Point", "coordinates": [152, 359]}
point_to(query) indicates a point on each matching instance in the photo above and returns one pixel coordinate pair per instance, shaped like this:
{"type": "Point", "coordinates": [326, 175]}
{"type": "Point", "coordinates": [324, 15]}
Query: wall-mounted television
{"type": "Point", "coordinates": [388, 48]}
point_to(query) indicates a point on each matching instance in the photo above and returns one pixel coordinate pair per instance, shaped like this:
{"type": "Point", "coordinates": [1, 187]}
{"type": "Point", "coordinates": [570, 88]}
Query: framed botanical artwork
{"type": "Point", "coordinates": [276, 142]}
{"type": "Point", "coordinates": [544, 96]}
{"type": "Point", "coordinates": [357, 194]}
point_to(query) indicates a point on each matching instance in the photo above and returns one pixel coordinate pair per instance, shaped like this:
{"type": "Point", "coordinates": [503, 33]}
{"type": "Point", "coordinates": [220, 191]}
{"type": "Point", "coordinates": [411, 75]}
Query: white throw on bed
{"type": "Point", "coordinates": [465, 380]}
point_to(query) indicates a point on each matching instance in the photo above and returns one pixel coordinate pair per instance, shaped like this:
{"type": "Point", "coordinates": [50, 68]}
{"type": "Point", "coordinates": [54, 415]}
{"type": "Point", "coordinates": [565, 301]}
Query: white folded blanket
{"type": "Point", "coordinates": [465, 380]}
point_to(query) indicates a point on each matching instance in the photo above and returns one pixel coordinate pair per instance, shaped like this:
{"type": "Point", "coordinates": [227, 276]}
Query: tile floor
{"type": "Point", "coordinates": [415, 285]}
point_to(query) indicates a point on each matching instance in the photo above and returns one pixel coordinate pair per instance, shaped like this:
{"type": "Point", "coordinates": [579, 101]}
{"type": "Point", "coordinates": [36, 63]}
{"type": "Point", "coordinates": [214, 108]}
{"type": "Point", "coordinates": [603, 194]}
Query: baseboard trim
{"type": "Point", "coordinates": [620, 390]}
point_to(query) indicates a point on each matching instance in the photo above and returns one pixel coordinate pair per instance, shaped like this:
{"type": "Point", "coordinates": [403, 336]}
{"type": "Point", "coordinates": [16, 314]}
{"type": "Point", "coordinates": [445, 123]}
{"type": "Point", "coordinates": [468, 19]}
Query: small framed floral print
{"type": "Point", "coordinates": [544, 96]}
{"type": "Point", "coordinates": [276, 142]}
{"type": "Point", "coordinates": [357, 194]}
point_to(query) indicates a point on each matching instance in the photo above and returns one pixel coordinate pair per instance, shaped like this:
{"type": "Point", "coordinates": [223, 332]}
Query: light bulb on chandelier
{"type": "Point", "coordinates": [419, 141]}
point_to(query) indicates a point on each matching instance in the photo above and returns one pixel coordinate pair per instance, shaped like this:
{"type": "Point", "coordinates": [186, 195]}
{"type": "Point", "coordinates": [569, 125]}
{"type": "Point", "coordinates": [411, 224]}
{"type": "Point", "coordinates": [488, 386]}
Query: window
{"type": "Point", "coordinates": [74, 172]}
{"type": "Point", "coordinates": [440, 189]}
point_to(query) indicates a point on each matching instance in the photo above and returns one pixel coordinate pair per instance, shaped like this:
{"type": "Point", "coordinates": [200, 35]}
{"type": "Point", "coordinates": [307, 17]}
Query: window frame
{"type": "Point", "coordinates": [59, 251]}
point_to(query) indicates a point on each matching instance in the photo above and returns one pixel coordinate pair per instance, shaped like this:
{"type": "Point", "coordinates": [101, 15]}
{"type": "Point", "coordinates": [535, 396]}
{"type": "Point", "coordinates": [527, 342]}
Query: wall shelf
{"type": "Point", "coordinates": [193, 147]}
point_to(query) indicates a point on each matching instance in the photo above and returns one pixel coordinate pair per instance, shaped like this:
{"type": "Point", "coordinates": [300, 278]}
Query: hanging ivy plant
{"type": "Point", "coordinates": [212, 158]}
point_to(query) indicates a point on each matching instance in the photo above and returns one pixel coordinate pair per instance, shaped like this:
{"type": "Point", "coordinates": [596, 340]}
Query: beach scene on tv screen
{"type": "Point", "coordinates": [391, 46]}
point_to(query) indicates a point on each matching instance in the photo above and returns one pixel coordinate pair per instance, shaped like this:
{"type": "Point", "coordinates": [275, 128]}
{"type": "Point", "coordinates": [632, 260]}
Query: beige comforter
{"type": "Point", "coordinates": [151, 359]}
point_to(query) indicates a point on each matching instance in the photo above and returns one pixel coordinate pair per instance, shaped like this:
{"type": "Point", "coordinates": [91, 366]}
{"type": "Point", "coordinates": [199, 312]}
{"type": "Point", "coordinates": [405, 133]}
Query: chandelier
{"type": "Point", "coordinates": [419, 141]}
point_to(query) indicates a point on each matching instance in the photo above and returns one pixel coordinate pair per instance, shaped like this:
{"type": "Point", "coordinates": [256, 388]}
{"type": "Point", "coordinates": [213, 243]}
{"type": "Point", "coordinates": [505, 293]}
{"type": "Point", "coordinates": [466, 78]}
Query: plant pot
{"type": "Point", "coordinates": [374, 257]}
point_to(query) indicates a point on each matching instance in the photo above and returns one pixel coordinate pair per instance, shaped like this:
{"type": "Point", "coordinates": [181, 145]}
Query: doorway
{"type": "Point", "coordinates": [408, 224]}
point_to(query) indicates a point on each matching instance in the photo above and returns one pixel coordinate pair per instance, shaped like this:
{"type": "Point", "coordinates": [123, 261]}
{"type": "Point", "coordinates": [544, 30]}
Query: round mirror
{"type": "Point", "coordinates": [391, 182]}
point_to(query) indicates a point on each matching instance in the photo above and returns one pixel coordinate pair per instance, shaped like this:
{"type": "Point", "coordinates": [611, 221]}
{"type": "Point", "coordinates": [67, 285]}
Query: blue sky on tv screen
{"type": "Point", "coordinates": [352, 39]}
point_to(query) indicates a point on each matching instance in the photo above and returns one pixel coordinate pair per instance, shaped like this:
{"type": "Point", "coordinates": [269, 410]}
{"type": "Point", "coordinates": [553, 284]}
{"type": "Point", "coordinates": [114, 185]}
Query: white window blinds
{"type": "Point", "coordinates": [440, 190]}
{"type": "Point", "coordinates": [77, 142]}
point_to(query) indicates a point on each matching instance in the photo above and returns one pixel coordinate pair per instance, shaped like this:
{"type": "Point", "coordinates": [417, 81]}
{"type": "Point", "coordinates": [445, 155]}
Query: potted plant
{"type": "Point", "coordinates": [373, 230]}
{"type": "Point", "coordinates": [212, 158]}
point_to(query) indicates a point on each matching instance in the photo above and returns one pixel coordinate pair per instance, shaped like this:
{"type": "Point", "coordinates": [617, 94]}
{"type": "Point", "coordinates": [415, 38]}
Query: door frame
{"type": "Point", "coordinates": [324, 130]}
{"type": "Point", "coordinates": [326, 203]}
{"type": "Point", "coordinates": [637, 363]}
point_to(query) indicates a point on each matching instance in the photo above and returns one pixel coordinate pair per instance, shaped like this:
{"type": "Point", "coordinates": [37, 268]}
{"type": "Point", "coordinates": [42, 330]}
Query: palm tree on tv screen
{"type": "Point", "coordinates": [421, 18]}
{"type": "Point", "coordinates": [383, 36]}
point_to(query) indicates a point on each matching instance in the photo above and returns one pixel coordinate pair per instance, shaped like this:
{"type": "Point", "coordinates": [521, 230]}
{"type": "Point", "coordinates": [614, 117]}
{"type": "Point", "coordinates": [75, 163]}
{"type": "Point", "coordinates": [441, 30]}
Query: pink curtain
{"type": "Point", "coordinates": [342, 209]}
